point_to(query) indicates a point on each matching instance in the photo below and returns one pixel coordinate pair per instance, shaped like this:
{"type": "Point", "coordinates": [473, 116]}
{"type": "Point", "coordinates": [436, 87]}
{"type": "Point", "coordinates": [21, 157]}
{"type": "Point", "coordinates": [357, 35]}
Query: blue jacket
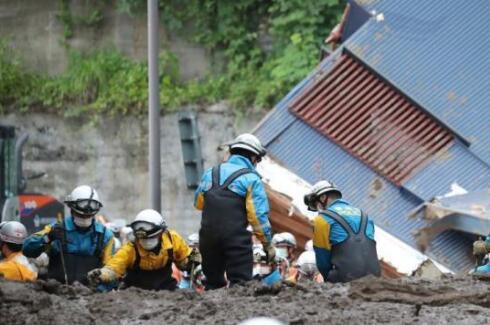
{"type": "Point", "coordinates": [248, 186]}
{"type": "Point", "coordinates": [327, 232]}
{"type": "Point", "coordinates": [77, 242]}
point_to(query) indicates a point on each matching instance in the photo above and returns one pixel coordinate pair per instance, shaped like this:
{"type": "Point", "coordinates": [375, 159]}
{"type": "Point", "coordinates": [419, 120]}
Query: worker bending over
{"type": "Point", "coordinates": [343, 238]}
{"type": "Point", "coordinates": [147, 262]}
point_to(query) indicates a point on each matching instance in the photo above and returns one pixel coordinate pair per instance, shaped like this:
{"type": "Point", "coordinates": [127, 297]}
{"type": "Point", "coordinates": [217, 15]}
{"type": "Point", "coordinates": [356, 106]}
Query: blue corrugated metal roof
{"type": "Point", "coordinates": [436, 52]}
{"type": "Point", "coordinates": [392, 48]}
{"type": "Point", "coordinates": [307, 153]}
{"type": "Point", "coordinates": [458, 165]}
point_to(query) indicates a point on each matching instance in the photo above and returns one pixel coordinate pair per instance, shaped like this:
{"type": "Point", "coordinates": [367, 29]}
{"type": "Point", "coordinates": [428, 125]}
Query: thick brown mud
{"type": "Point", "coordinates": [452, 300]}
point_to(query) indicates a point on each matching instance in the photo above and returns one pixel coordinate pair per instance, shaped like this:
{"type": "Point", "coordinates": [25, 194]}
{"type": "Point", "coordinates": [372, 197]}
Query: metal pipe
{"type": "Point", "coordinates": [154, 109]}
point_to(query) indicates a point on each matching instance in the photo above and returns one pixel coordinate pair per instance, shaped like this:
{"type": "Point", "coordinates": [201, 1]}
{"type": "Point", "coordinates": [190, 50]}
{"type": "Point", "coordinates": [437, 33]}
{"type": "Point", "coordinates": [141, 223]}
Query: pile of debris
{"type": "Point", "coordinates": [451, 300]}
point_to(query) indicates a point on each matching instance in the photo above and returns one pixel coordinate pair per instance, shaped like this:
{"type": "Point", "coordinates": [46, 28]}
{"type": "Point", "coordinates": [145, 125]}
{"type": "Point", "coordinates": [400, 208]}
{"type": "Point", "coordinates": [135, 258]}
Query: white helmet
{"type": "Point", "coordinates": [307, 263]}
{"type": "Point", "coordinates": [309, 246]}
{"type": "Point", "coordinates": [277, 238]}
{"type": "Point", "coordinates": [285, 238]}
{"type": "Point", "coordinates": [84, 200]}
{"type": "Point", "coordinates": [250, 143]}
{"type": "Point", "coordinates": [13, 232]}
{"type": "Point", "coordinates": [193, 239]}
{"type": "Point", "coordinates": [148, 223]}
{"type": "Point", "coordinates": [261, 321]}
{"type": "Point", "coordinates": [321, 187]}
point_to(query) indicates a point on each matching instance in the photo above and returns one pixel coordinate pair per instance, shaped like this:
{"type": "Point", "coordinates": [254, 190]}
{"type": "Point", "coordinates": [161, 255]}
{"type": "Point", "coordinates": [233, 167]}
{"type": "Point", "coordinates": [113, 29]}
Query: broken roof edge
{"type": "Point", "coordinates": [322, 67]}
{"type": "Point", "coordinates": [391, 250]}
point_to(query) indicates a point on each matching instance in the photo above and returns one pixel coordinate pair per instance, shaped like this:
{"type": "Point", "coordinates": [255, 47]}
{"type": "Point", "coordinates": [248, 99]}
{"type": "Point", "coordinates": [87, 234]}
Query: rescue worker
{"type": "Point", "coordinates": [14, 265]}
{"type": "Point", "coordinates": [481, 248]}
{"type": "Point", "coordinates": [306, 269]}
{"type": "Point", "coordinates": [147, 262]}
{"type": "Point", "coordinates": [343, 238]}
{"type": "Point", "coordinates": [75, 244]}
{"type": "Point", "coordinates": [231, 196]}
{"type": "Point", "coordinates": [116, 226]}
{"type": "Point", "coordinates": [184, 278]}
{"type": "Point", "coordinates": [285, 244]}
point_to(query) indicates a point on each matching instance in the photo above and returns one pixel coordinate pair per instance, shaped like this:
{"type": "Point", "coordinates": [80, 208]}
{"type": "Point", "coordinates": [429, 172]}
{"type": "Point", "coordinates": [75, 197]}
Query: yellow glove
{"type": "Point", "coordinates": [480, 248]}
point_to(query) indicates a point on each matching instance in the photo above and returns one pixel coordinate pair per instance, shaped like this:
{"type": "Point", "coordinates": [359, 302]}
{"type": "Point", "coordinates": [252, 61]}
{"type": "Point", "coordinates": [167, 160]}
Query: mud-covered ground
{"type": "Point", "coordinates": [366, 301]}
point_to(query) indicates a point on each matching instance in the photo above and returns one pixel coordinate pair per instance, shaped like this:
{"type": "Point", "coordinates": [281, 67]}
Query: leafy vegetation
{"type": "Point", "coordinates": [261, 49]}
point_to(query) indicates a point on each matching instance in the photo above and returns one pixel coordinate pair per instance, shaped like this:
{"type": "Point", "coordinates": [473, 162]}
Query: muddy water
{"type": "Point", "coordinates": [367, 301]}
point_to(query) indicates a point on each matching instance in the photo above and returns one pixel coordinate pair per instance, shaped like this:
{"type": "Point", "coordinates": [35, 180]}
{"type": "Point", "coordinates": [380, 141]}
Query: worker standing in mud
{"type": "Point", "coordinates": [343, 238]}
{"type": "Point", "coordinates": [231, 196]}
{"type": "Point", "coordinates": [14, 265]}
{"type": "Point", "coordinates": [77, 243]}
{"type": "Point", "coordinates": [147, 262]}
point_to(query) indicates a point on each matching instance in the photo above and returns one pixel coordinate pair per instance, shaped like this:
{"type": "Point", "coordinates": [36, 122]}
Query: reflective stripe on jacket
{"type": "Point", "coordinates": [248, 186]}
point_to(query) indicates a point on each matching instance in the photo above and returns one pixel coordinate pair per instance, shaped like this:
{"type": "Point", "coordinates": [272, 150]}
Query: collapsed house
{"type": "Point", "coordinates": [396, 117]}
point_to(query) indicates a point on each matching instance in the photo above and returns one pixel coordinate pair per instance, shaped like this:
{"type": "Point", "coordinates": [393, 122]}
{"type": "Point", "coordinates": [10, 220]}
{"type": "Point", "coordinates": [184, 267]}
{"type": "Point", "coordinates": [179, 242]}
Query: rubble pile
{"type": "Point", "coordinates": [451, 300]}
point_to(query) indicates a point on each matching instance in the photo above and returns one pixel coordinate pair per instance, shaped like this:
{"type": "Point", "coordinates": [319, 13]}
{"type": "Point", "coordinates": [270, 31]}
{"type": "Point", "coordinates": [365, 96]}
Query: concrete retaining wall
{"type": "Point", "coordinates": [111, 155]}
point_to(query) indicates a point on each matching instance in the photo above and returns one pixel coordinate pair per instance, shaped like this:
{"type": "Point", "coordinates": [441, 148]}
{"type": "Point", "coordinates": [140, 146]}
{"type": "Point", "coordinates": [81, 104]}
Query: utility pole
{"type": "Point", "coordinates": [154, 107]}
